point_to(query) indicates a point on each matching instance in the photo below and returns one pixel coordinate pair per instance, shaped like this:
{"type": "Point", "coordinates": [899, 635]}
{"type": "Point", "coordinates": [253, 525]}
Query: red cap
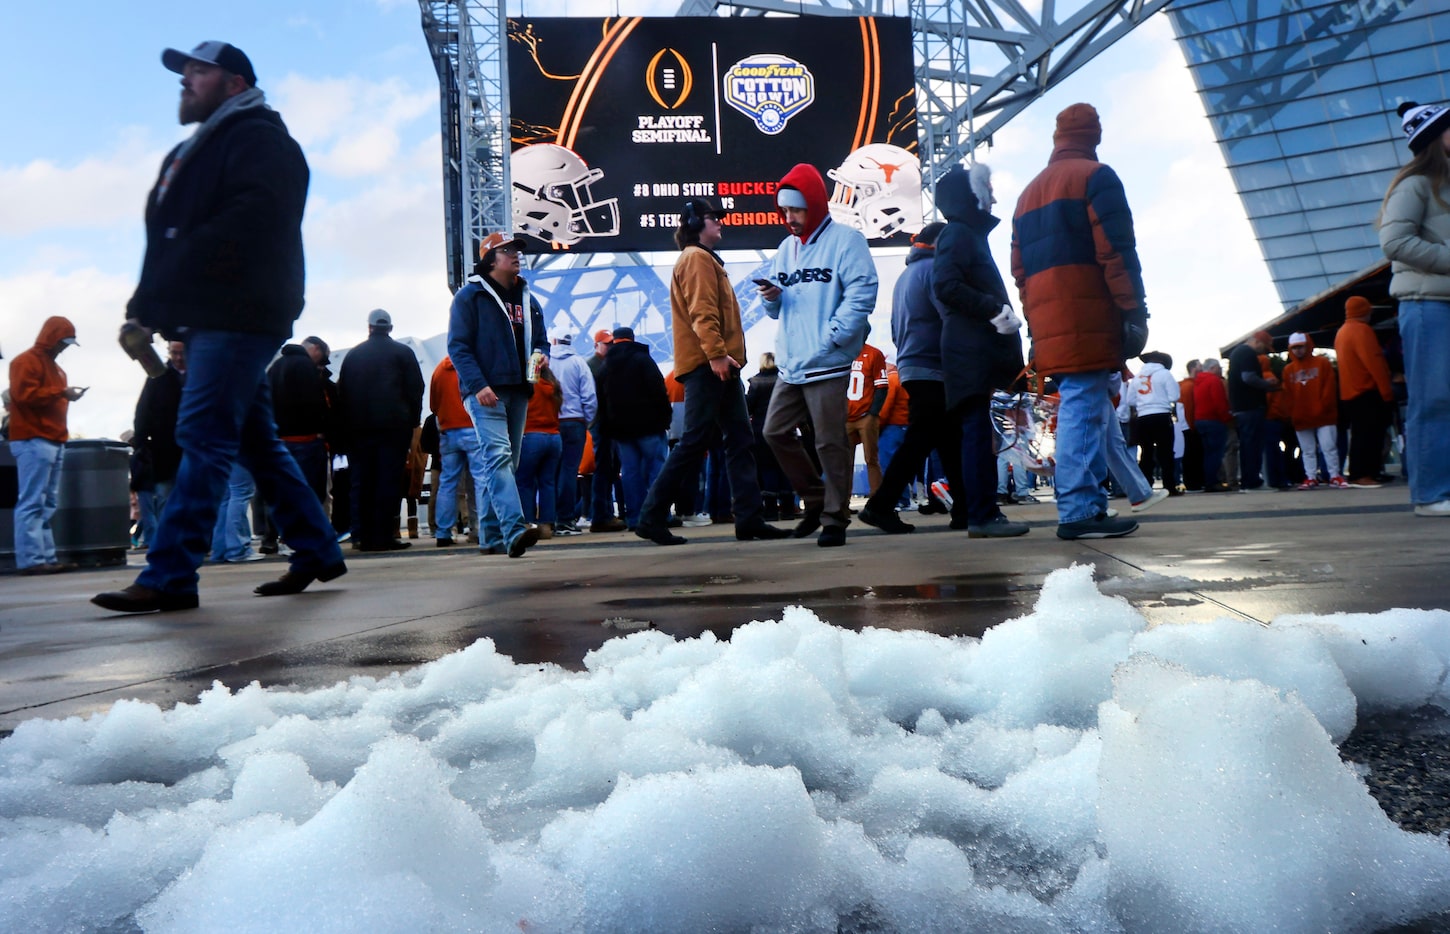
{"type": "Point", "coordinates": [1264, 336]}
{"type": "Point", "coordinates": [603, 337]}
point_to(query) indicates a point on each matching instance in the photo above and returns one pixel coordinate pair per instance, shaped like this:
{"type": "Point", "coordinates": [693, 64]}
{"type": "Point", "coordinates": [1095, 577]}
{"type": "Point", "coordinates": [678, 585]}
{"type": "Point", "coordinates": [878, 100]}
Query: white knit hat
{"type": "Point", "coordinates": [1298, 337]}
{"type": "Point", "coordinates": [1423, 123]}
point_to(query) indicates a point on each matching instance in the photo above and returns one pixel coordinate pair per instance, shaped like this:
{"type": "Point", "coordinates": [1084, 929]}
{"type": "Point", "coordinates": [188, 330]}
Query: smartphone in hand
{"type": "Point", "coordinates": [763, 283]}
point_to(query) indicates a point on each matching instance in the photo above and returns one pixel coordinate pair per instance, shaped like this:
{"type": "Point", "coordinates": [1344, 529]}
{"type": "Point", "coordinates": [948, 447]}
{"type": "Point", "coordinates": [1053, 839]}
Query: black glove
{"type": "Point", "coordinates": [1135, 332]}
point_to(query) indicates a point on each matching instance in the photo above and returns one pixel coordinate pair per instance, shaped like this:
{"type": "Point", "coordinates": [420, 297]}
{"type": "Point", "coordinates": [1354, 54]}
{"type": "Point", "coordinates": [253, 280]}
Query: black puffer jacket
{"type": "Point", "coordinates": [224, 248]}
{"type": "Point", "coordinates": [633, 401]}
{"type": "Point", "coordinates": [157, 455]}
{"type": "Point", "coordinates": [975, 359]}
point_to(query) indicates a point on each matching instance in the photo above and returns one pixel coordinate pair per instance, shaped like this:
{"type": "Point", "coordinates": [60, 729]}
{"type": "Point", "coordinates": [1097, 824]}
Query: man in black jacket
{"type": "Point", "coordinates": [223, 271]}
{"type": "Point", "coordinates": [157, 456]}
{"type": "Point", "coordinates": [381, 385]}
{"type": "Point", "coordinates": [634, 407]}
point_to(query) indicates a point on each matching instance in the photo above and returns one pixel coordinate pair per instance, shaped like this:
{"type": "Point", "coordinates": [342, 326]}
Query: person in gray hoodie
{"type": "Point", "coordinates": [578, 410]}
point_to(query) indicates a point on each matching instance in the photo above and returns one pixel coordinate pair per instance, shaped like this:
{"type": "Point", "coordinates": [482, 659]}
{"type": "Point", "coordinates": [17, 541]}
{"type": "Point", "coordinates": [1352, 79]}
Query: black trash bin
{"type": "Point", "coordinates": [92, 522]}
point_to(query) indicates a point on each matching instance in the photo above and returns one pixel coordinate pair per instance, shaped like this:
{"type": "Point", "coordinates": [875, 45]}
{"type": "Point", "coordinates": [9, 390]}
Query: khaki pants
{"type": "Point", "coordinates": [824, 403]}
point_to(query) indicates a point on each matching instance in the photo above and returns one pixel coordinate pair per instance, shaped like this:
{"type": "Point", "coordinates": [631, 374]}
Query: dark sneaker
{"type": "Point", "coordinates": [138, 599]}
{"type": "Point", "coordinates": [1000, 527]}
{"type": "Point", "coordinates": [886, 520]}
{"type": "Point", "coordinates": [810, 521]}
{"type": "Point", "coordinates": [761, 530]}
{"type": "Point", "coordinates": [660, 536]}
{"type": "Point", "coordinates": [527, 539]}
{"type": "Point", "coordinates": [611, 524]}
{"type": "Point", "coordinates": [444, 542]}
{"type": "Point", "coordinates": [1100, 526]}
{"type": "Point", "coordinates": [832, 536]}
{"type": "Point", "coordinates": [295, 581]}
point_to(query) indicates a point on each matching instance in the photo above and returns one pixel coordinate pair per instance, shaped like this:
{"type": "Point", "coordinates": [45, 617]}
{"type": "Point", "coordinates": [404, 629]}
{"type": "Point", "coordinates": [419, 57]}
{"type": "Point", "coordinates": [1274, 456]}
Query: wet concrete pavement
{"type": "Point", "coordinates": [1198, 557]}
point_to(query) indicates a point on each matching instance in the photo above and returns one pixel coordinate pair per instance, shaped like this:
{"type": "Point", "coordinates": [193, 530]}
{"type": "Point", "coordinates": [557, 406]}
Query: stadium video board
{"type": "Point", "coordinates": [616, 122]}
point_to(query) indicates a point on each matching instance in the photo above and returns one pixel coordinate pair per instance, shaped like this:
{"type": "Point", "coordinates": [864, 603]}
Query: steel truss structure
{"type": "Point", "coordinates": [979, 63]}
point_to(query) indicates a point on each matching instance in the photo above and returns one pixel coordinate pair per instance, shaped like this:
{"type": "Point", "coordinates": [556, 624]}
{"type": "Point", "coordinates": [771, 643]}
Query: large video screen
{"type": "Point", "coordinates": [616, 122]}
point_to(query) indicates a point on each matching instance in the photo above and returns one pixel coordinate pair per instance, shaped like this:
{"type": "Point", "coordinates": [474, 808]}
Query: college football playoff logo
{"type": "Point", "coordinates": [769, 89]}
{"type": "Point", "coordinates": [669, 79]}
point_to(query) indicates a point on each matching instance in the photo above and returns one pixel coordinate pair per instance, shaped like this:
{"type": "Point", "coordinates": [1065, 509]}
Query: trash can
{"type": "Point", "coordinates": [9, 493]}
{"type": "Point", "coordinates": [92, 523]}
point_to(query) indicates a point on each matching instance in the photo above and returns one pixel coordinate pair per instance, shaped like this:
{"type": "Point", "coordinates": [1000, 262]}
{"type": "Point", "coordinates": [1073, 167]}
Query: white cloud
{"type": "Point", "coordinates": [99, 190]}
{"type": "Point", "coordinates": [352, 127]}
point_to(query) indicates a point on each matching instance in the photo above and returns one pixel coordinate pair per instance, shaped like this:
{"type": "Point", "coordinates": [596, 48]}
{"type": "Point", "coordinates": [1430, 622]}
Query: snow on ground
{"type": "Point", "coordinates": [1071, 771]}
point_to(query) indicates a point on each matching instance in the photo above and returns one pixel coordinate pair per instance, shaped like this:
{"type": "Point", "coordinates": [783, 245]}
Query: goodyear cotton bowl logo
{"type": "Point", "coordinates": [769, 89]}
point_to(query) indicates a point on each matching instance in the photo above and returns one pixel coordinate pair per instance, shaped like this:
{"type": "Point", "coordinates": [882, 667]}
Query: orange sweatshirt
{"type": "Point", "coordinates": [38, 406]}
{"type": "Point", "coordinates": [895, 410]}
{"type": "Point", "coordinates": [543, 417]}
{"type": "Point", "coordinates": [444, 398]}
{"type": "Point", "coordinates": [1362, 365]}
{"type": "Point", "coordinates": [1312, 391]}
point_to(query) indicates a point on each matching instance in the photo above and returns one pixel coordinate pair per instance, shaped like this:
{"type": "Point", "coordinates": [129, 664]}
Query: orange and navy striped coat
{"type": "Point", "coordinates": [1075, 261]}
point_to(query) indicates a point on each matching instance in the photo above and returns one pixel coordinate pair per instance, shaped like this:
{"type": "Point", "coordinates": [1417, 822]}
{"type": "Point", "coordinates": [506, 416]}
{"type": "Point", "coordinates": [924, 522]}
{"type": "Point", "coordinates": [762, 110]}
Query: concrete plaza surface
{"type": "Point", "coordinates": [1197, 557]}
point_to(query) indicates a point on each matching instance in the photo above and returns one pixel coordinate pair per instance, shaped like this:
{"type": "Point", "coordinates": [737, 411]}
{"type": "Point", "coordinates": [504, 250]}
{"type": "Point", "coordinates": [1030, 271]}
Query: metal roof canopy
{"type": "Point", "coordinates": [1320, 315]}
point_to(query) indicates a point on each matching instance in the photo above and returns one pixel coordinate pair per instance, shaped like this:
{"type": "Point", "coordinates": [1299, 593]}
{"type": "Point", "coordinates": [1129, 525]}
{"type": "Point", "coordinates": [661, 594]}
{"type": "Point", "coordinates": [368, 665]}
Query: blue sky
{"type": "Point", "coordinates": [88, 122]}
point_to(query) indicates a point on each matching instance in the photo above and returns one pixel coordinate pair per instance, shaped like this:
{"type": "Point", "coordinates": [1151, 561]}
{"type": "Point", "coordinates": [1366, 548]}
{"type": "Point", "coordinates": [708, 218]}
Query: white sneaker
{"type": "Point", "coordinates": [1110, 512]}
{"type": "Point", "coordinates": [1154, 499]}
{"type": "Point", "coordinates": [1440, 508]}
{"type": "Point", "coordinates": [697, 521]}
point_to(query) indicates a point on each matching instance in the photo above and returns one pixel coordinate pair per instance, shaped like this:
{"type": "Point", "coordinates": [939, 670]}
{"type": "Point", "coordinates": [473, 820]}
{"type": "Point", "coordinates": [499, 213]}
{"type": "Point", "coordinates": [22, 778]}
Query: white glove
{"type": "Point", "coordinates": [1006, 322]}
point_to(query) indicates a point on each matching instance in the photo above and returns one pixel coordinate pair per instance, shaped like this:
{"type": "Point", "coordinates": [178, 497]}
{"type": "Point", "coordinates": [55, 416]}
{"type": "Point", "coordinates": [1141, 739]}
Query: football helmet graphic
{"type": "Point", "coordinates": [878, 191]}
{"type": "Point", "coordinates": [551, 198]}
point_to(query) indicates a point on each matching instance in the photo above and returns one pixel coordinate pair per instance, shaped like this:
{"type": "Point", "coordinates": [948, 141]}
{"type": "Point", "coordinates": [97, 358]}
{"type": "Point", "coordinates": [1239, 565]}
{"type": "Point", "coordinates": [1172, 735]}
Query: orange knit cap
{"type": "Point", "coordinates": [1079, 124]}
{"type": "Point", "coordinates": [1357, 307]}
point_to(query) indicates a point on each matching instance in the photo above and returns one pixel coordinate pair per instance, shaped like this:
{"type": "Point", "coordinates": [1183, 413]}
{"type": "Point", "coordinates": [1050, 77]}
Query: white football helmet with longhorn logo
{"type": "Point", "coordinates": [878, 191]}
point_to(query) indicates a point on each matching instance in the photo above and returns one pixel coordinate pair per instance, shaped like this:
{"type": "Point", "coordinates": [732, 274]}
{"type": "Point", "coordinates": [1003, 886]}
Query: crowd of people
{"type": "Point", "coordinates": [530, 439]}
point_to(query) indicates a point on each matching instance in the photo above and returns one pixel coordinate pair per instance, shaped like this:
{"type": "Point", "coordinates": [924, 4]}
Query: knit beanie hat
{"type": "Point", "coordinates": [1357, 307]}
{"type": "Point", "coordinates": [1079, 124]}
{"type": "Point", "coordinates": [1423, 123]}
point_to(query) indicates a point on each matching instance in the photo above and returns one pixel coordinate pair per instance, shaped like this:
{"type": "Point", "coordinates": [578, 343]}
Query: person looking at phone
{"type": "Point", "coordinates": [40, 398]}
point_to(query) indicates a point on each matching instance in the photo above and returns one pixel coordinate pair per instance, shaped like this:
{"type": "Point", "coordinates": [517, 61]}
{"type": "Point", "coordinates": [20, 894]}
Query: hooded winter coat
{"type": "Point", "coordinates": [1154, 391]}
{"type": "Point", "coordinates": [38, 406]}
{"type": "Point", "coordinates": [828, 289]}
{"type": "Point", "coordinates": [1074, 256]}
{"type": "Point", "coordinates": [1311, 391]}
{"type": "Point", "coordinates": [633, 402]}
{"type": "Point", "coordinates": [976, 360]}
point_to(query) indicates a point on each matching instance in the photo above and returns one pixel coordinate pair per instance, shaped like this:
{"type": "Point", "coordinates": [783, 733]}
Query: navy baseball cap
{"type": "Point", "coordinates": [212, 52]}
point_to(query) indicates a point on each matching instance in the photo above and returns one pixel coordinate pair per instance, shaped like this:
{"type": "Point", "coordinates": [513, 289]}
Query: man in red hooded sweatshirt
{"type": "Point", "coordinates": [822, 289]}
{"type": "Point", "coordinates": [40, 399]}
{"type": "Point", "coordinates": [1364, 387]}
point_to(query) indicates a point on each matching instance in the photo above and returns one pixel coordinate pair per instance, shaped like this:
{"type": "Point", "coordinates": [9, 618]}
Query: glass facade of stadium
{"type": "Point", "coordinates": [1302, 96]}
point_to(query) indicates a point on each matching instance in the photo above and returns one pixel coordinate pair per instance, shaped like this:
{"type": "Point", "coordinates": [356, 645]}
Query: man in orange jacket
{"type": "Point", "coordinates": [1364, 388]}
{"type": "Point", "coordinates": [40, 399]}
{"type": "Point", "coordinates": [1311, 394]}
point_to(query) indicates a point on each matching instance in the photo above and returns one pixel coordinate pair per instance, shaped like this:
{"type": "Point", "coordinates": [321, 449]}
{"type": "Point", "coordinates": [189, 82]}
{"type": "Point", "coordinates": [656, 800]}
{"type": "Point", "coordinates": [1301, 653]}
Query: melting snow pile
{"type": "Point", "coordinates": [1071, 771]}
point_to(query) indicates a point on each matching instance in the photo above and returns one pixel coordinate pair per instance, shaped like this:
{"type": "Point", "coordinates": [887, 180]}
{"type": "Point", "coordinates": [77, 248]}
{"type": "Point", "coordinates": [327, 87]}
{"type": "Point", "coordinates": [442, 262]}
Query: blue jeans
{"type": "Point", "coordinates": [1250, 425]}
{"type": "Point", "coordinates": [461, 456]}
{"type": "Point", "coordinates": [231, 537]}
{"type": "Point", "coordinates": [500, 432]}
{"type": "Point", "coordinates": [572, 435]}
{"type": "Point", "coordinates": [149, 504]}
{"type": "Point", "coordinates": [226, 417]}
{"type": "Point", "coordinates": [1425, 333]}
{"type": "Point", "coordinates": [640, 460]}
{"type": "Point", "coordinates": [539, 475]}
{"type": "Point", "coordinates": [1082, 436]}
{"type": "Point", "coordinates": [886, 447]}
{"type": "Point", "coordinates": [37, 467]}
{"type": "Point", "coordinates": [1124, 470]}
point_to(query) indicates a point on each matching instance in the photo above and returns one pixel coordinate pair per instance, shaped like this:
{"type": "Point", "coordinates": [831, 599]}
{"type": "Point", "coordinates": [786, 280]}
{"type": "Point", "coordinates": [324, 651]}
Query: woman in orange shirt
{"type": "Point", "coordinates": [539, 455]}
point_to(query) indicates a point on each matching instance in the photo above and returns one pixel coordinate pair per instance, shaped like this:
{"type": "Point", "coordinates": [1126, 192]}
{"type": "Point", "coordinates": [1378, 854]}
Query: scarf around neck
{"type": "Point", "coordinates": [247, 100]}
